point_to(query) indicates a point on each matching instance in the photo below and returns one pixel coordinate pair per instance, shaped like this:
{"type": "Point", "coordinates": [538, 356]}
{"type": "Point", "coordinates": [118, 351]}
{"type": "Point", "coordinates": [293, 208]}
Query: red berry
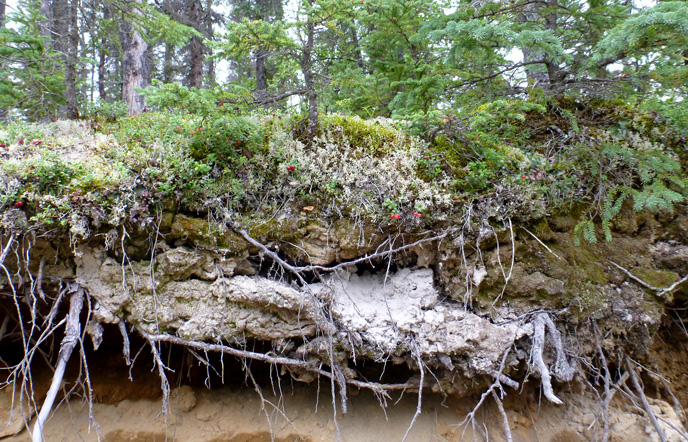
{"type": "Point", "coordinates": [18, 204]}
{"type": "Point", "coordinates": [417, 215]}
{"type": "Point", "coordinates": [179, 128]}
{"type": "Point", "coordinates": [187, 112]}
{"type": "Point", "coordinates": [37, 143]}
{"type": "Point", "coordinates": [139, 140]}
{"type": "Point", "coordinates": [291, 168]}
{"type": "Point", "coordinates": [20, 141]}
{"type": "Point", "coordinates": [2, 146]}
{"type": "Point", "coordinates": [523, 177]}
{"type": "Point", "coordinates": [395, 216]}
{"type": "Point", "coordinates": [238, 142]}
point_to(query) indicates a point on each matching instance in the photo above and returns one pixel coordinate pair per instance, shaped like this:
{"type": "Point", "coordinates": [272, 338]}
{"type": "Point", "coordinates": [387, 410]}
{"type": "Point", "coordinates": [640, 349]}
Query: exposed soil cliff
{"type": "Point", "coordinates": [321, 317]}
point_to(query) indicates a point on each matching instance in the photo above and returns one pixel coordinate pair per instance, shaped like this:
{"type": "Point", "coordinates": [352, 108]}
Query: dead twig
{"type": "Point", "coordinates": [661, 291]}
{"type": "Point", "coordinates": [542, 243]}
{"type": "Point", "coordinates": [470, 417]}
{"type": "Point", "coordinates": [635, 278]}
{"type": "Point", "coordinates": [607, 386]}
{"type": "Point", "coordinates": [630, 369]}
{"type": "Point", "coordinates": [673, 286]}
{"type": "Point", "coordinates": [505, 419]}
{"type": "Point", "coordinates": [126, 347]}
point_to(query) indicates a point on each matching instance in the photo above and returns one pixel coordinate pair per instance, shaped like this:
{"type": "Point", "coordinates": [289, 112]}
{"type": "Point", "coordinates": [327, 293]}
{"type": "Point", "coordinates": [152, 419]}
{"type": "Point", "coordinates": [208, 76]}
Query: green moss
{"type": "Point", "coordinates": [587, 266]}
{"type": "Point", "coordinates": [372, 137]}
{"type": "Point", "coordinates": [656, 278]}
{"type": "Point", "coordinates": [200, 232]}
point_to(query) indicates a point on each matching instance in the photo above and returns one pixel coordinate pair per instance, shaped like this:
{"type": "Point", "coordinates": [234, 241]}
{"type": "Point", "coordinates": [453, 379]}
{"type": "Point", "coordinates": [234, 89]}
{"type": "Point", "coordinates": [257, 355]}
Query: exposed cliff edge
{"type": "Point", "coordinates": [469, 303]}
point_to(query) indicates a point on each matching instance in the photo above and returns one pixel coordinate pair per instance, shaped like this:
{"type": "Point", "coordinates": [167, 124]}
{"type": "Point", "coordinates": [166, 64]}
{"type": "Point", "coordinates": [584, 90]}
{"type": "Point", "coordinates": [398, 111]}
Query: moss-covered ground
{"type": "Point", "coordinates": [509, 159]}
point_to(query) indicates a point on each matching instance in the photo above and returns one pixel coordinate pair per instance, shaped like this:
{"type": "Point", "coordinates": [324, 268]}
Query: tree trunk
{"type": "Point", "coordinates": [534, 73]}
{"type": "Point", "coordinates": [261, 79]}
{"type": "Point", "coordinates": [357, 48]}
{"type": "Point", "coordinates": [309, 77]}
{"type": "Point", "coordinates": [208, 20]}
{"type": "Point", "coordinates": [71, 56]}
{"type": "Point", "coordinates": [3, 112]}
{"type": "Point", "coordinates": [168, 63]}
{"type": "Point", "coordinates": [44, 25]}
{"type": "Point", "coordinates": [102, 73]}
{"type": "Point", "coordinates": [134, 65]}
{"type": "Point", "coordinates": [553, 71]}
{"type": "Point", "coordinates": [196, 47]}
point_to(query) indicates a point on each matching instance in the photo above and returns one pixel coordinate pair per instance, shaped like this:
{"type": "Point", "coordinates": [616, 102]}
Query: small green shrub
{"type": "Point", "coordinates": [226, 140]}
{"type": "Point", "coordinates": [109, 110]}
{"type": "Point", "coordinates": [50, 174]}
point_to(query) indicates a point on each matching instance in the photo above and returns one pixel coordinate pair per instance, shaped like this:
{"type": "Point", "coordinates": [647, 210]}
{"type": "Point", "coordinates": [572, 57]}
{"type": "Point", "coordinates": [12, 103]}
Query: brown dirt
{"type": "Point", "coordinates": [302, 413]}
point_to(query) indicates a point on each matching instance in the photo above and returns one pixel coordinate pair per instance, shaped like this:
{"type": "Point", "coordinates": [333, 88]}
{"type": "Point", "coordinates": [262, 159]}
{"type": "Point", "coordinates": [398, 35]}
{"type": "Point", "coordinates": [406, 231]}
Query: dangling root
{"type": "Point", "coordinates": [72, 336]}
{"type": "Point", "coordinates": [630, 369]}
{"type": "Point", "coordinates": [562, 368]}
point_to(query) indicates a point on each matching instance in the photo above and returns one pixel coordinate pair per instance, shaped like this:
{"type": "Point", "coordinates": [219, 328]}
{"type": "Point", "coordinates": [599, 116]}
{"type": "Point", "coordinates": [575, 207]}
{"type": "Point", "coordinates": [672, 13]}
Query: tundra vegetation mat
{"type": "Point", "coordinates": [518, 272]}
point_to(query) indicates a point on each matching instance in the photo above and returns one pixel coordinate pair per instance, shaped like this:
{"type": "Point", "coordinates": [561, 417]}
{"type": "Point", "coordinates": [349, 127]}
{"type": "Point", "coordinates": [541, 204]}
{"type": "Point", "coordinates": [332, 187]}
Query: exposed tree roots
{"type": "Point", "coordinates": [71, 338]}
{"type": "Point", "coordinates": [548, 352]}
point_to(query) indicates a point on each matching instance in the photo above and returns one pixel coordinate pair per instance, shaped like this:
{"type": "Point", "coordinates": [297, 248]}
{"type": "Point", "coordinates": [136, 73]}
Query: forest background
{"type": "Point", "coordinates": [412, 59]}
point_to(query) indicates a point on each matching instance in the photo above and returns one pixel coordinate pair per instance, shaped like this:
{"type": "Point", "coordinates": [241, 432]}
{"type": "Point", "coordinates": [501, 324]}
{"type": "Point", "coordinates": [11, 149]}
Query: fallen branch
{"type": "Point", "coordinates": [630, 369]}
{"type": "Point", "coordinates": [673, 286]}
{"type": "Point", "coordinates": [661, 291]}
{"type": "Point", "coordinates": [72, 336]}
{"type": "Point", "coordinates": [635, 278]}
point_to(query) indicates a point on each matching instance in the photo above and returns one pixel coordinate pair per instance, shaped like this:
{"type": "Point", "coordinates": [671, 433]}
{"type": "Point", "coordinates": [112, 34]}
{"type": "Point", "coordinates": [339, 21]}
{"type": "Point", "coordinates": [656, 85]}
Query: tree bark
{"type": "Point", "coordinates": [261, 79]}
{"type": "Point", "coordinates": [554, 73]}
{"type": "Point", "coordinates": [3, 112]}
{"type": "Point", "coordinates": [196, 47]}
{"type": "Point", "coordinates": [309, 76]}
{"type": "Point", "coordinates": [44, 25]}
{"type": "Point", "coordinates": [71, 56]}
{"type": "Point", "coordinates": [168, 63]}
{"type": "Point", "coordinates": [534, 72]}
{"type": "Point", "coordinates": [134, 65]}
{"type": "Point", "coordinates": [102, 72]}
{"type": "Point", "coordinates": [208, 20]}
{"type": "Point", "coordinates": [357, 49]}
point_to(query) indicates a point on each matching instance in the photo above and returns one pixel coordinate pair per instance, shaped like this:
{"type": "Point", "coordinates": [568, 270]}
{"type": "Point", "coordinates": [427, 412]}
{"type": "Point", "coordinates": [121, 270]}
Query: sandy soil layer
{"type": "Point", "coordinates": [304, 413]}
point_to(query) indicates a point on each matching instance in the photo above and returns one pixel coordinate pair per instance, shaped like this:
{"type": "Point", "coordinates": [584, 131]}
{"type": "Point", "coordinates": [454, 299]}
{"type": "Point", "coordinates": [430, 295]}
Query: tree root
{"type": "Point", "coordinates": [562, 369]}
{"type": "Point", "coordinates": [72, 336]}
{"type": "Point", "coordinates": [630, 369]}
{"type": "Point", "coordinates": [377, 388]}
